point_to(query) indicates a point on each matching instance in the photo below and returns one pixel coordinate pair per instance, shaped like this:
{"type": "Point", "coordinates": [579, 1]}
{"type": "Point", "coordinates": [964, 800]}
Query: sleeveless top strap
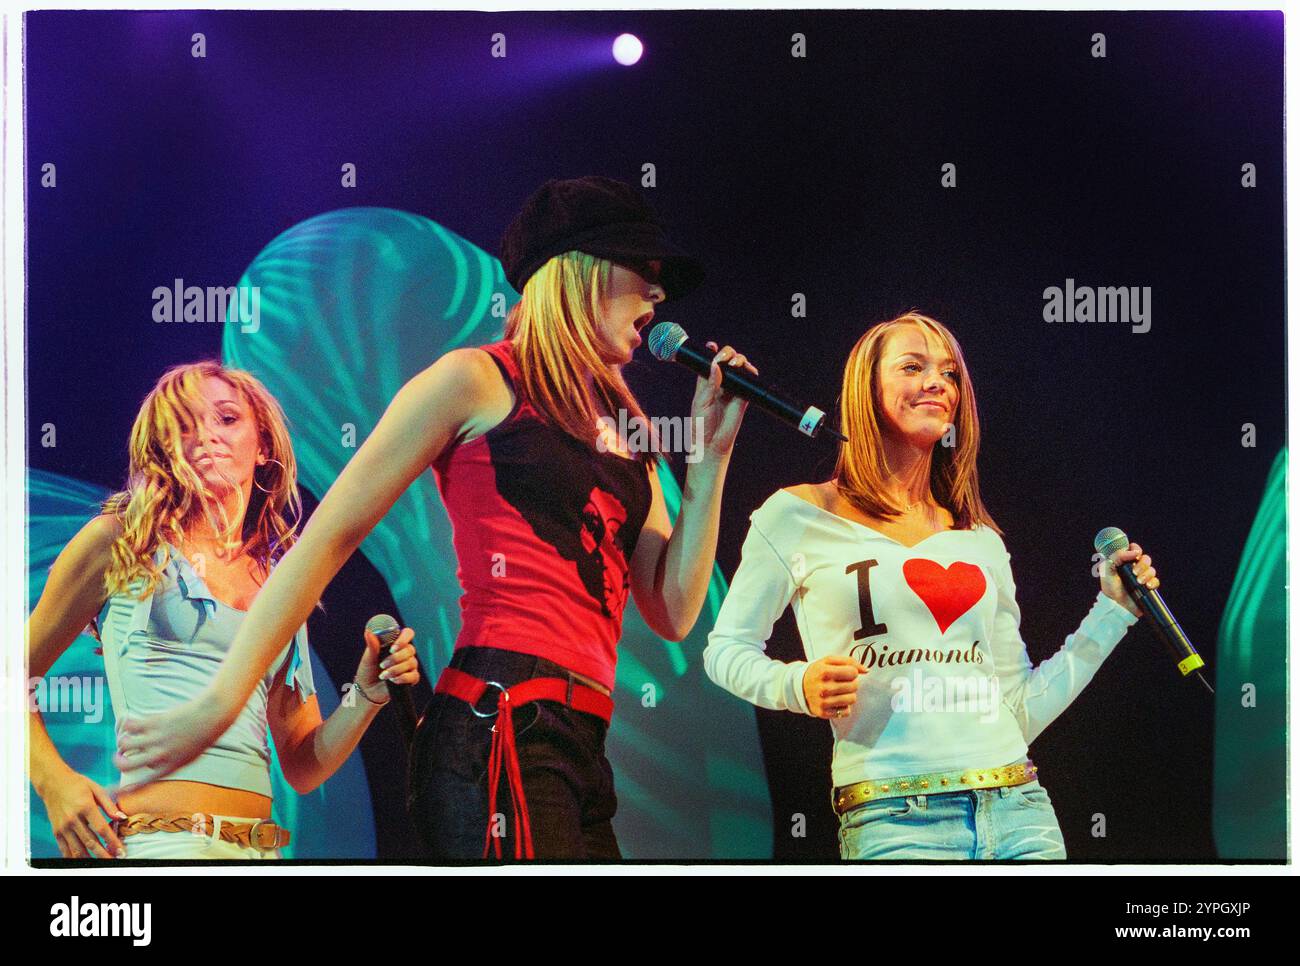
{"type": "Point", "coordinates": [503, 355]}
{"type": "Point", "coordinates": [124, 616]}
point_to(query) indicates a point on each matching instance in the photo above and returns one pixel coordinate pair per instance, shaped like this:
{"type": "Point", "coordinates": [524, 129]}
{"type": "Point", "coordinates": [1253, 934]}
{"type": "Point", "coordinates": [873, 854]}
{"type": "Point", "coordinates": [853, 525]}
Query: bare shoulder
{"type": "Point", "coordinates": [465, 369]}
{"type": "Point", "coordinates": [463, 385]}
{"type": "Point", "coordinates": [95, 540]}
{"type": "Point", "coordinates": [73, 594]}
{"type": "Point", "coordinates": [78, 571]}
{"type": "Point", "coordinates": [814, 493]}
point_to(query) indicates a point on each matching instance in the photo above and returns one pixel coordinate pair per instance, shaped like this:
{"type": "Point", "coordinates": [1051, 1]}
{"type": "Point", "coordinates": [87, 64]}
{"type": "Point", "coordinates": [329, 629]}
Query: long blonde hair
{"type": "Point", "coordinates": [861, 470]}
{"type": "Point", "coordinates": [554, 331]}
{"type": "Point", "coordinates": [164, 492]}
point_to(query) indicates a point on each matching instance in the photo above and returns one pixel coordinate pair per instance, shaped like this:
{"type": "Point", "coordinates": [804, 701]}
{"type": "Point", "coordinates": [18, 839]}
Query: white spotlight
{"type": "Point", "coordinates": [627, 49]}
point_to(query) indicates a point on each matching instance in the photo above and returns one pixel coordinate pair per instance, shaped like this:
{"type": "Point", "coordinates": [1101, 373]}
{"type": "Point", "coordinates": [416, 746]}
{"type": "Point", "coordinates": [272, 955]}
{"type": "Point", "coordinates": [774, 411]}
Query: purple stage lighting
{"type": "Point", "coordinates": [627, 49]}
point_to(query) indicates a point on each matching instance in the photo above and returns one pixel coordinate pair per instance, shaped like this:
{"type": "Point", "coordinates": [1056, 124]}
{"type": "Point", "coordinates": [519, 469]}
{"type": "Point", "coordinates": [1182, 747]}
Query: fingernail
{"type": "Point", "coordinates": [393, 648]}
{"type": "Point", "coordinates": [383, 676]}
{"type": "Point", "coordinates": [122, 816]}
{"type": "Point", "coordinates": [120, 854]}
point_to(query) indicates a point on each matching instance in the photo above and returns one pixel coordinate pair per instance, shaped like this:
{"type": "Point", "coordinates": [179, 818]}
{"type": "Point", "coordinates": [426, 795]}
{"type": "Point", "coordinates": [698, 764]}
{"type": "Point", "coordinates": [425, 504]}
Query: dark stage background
{"type": "Point", "coordinates": [818, 176]}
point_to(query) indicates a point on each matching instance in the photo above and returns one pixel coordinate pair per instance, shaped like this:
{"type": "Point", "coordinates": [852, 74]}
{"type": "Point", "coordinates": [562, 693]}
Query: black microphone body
{"type": "Point", "coordinates": [1161, 620]}
{"type": "Point", "coordinates": [669, 343]}
{"type": "Point", "coordinates": [1154, 610]}
{"type": "Point", "coordinates": [387, 630]}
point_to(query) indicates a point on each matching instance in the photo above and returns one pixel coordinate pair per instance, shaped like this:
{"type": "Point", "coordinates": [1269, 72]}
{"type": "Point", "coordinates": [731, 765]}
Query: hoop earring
{"type": "Point", "coordinates": [259, 485]}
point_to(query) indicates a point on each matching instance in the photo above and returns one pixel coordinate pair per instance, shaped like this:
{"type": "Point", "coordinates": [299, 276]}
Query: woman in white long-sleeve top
{"type": "Point", "coordinates": [904, 599]}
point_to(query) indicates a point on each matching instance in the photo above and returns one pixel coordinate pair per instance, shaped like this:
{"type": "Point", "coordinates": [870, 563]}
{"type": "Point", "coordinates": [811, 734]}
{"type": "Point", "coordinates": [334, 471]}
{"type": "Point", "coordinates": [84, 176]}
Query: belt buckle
{"type": "Point", "coordinates": [253, 840]}
{"type": "Point", "coordinates": [491, 684]}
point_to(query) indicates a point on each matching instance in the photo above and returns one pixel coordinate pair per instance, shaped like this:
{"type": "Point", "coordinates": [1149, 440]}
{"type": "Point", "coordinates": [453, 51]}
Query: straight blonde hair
{"type": "Point", "coordinates": [861, 470]}
{"type": "Point", "coordinates": [554, 331]}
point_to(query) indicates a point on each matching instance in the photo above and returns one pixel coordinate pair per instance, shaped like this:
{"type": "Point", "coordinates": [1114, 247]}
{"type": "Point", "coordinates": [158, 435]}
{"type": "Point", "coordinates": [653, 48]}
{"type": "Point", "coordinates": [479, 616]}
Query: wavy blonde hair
{"type": "Point", "coordinates": [861, 470]}
{"type": "Point", "coordinates": [164, 493]}
{"type": "Point", "coordinates": [554, 331]}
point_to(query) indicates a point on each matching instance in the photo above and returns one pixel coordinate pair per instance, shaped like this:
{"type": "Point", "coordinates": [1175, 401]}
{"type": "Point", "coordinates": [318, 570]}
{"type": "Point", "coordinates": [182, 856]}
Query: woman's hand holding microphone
{"type": "Point", "coordinates": [1113, 587]}
{"type": "Point", "coordinates": [398, 666]}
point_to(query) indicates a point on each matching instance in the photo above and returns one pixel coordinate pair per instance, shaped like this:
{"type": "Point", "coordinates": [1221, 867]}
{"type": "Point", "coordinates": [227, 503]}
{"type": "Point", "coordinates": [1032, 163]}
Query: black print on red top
{"type": "Point", "coordinates": [588, 506]}
{"type": "Point", "coordinates": [602, 521]}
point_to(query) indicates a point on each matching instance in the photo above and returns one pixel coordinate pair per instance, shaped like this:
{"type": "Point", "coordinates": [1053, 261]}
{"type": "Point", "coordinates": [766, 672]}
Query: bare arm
{"type": "Point", "coordinates": [424, 417]}
{"type": "Point", "coordinates": [311, 750]}
{"type": "Point", "coordinates": [672, 565]}
{"type": "Point", "coordinates": [73, 595]}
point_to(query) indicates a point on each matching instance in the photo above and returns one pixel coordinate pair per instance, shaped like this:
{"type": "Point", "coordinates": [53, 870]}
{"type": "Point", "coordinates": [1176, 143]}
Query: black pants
{"type": "Point", "coordinates": [568, 783]}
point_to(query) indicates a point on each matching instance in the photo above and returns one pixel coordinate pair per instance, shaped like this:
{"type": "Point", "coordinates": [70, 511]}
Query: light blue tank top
{"type": "Point", "coordinates": [163, 650]}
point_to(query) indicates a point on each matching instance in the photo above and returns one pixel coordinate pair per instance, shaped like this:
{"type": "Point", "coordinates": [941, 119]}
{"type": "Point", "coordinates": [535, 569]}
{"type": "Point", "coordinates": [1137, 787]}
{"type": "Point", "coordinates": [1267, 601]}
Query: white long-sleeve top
{"type": "Point", "coordinates": [949, 683]}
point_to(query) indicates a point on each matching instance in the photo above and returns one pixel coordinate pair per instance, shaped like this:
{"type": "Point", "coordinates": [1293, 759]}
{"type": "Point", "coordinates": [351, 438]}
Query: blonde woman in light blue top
{"type": "Point", "coordinates": [167, 573]}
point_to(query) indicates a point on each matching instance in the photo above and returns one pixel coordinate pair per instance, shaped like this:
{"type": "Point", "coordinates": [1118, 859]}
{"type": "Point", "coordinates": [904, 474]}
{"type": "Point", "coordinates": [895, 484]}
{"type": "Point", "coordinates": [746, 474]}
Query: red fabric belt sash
{"type": "Point", "coordinates": [504, 753]}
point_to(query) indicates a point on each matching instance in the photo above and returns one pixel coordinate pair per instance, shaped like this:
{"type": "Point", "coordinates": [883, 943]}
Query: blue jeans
{"type": "Point", "coordinates": [568, 782]}
{"type": "Point", "coordinates": [986, 823]}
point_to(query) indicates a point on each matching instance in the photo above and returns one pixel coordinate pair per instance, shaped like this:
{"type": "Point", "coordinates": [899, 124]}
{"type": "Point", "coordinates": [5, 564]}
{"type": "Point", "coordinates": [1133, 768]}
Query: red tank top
{"type": "Point", "coordinates": [544, 529]}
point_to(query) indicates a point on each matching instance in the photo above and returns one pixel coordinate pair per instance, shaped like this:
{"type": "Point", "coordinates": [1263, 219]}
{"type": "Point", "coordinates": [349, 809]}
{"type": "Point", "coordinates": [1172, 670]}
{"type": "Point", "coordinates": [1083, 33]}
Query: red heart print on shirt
{"type": "Point", "coordinates": [948, 593]}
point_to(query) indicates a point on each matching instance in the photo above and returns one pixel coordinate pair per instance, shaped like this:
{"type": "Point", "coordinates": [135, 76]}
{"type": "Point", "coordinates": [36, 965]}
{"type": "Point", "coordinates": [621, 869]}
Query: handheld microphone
{"type": "Point", "coordinates": [668, 342]}
{"type": "Point", "coordinates": [1159, 617]}
{"type": "Point", "coordinates": [387, 630]}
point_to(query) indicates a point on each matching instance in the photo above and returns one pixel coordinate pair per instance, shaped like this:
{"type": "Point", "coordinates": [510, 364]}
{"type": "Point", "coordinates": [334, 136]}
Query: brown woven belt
{"type": "Point", "coordinates": [934, 783]}
{"type": "Point", "coordinates": [261, 835]}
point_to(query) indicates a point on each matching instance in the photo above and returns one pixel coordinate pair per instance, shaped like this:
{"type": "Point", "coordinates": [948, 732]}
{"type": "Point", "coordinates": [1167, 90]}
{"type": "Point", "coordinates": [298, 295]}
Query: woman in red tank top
{"type": "Point", "coordinates": [555, 524]}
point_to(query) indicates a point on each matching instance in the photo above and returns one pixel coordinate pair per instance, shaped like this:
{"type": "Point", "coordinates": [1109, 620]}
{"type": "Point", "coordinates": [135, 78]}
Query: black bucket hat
{"type": "Point", "coordinates": [598, 216]}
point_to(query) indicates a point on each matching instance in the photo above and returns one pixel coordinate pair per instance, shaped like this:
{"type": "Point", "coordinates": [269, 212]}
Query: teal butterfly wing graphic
{"type": "Point", "coordinates": [1250, 719]}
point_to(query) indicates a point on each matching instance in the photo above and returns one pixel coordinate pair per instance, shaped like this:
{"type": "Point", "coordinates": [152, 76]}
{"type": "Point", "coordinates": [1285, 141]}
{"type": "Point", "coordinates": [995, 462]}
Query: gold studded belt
{"type": "Point", "coordinates": [935, 783]}
{"type": "Point", "coordinates": [261, 835]}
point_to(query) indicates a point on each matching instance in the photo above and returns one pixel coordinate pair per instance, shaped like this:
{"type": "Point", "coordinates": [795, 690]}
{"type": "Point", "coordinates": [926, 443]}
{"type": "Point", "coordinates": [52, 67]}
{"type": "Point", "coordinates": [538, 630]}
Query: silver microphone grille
{"type": "Point", "coordinates": [1108, 541]}
{"type": "Point", "coordinates": [384, 627]}
{"type": "Point", "coordinates": [665, 339]}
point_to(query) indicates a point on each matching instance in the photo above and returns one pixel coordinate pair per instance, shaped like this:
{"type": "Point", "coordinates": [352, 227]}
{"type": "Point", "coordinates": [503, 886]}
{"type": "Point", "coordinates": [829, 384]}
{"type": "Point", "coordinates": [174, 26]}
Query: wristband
{"type": "Point", "coordinates": [357, 684]}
